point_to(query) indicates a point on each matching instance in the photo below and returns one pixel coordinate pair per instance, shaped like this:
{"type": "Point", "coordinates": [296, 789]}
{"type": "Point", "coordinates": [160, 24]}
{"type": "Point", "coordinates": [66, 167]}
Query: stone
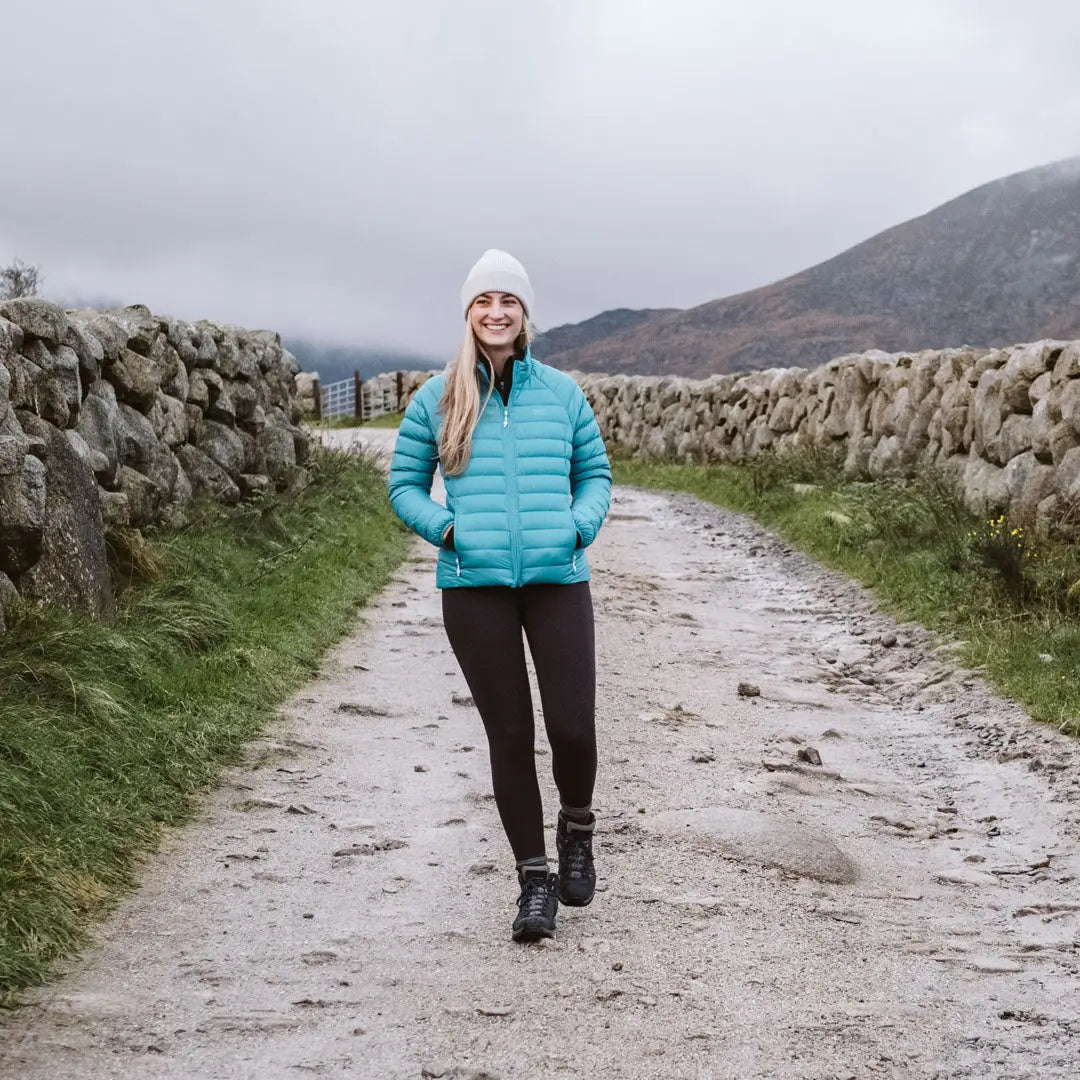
{"type": "Point", "coordinates": [141, 330]}
{"type": "Point", "coordinates": [13, 449]}
{"type": "Point", "coordinates": [222, 444]}
{"type": "Point", "coordinates": [1069, 404]}
{"type": "Point", "coordinates": [254, 484]}
{"type": "Point", "coordinates": [994, 965]}
{"type": "Point", "coordinates": [139, 441]}
{"type": "Point", "coordinates": [109, 334]}
{"type": "Point", "coordinates": [1016, 435]}
{"type": "Point", "coordinates": [244, 400]}
{"type": "Point", "coordinates": [72, 569]}
{"type": "Point", "coordinates": [278, 449]}
{"type": "Point", "coordinates": [195, 422]}
{"type": "Point", "coordinates": [175, 424]}
{"type": "Point", "coordinates": [207, 477]}
{"type": "Point", "coordinates": [1061, 439]}
{"type": "Point", "coordinates": [1028, 482]}
{"type": "Point", "coordinates": [885, 459]}
{"type": "Point", "coordinates": [294, 480]}
{"type": "Point", "coordinates": [1040, 388]}
{"type": "Point", "coordinates": [1067, 365]}
{"type": "Point", "coordinates": [37, 318]}
{"type": "Point", "coordinates": [301, 445]}
{"type": "Point", "coordinates": [87, 348]}
{"type": "Point", "coordinates": [11, 340]}
{"type": "Point", "coordinates": [143, 496]}
{"type": "Point", "coordinates": [57, 392]}
{"type": "Point", "coordinates": [188, 353]}
{"type": "Point", "coordinates": [177, 383]}
{"type": "Point", "coordinates": [1041, 426]}
{"type": "Point", "coordinates": [135, 377]}
{"type": "Point", "coordinates": [221, 408]}
{"type": "Point", "coordinates": [114, 508]}
{"type": "Point", "coordinates": [254, 460]}
{"type": "Point", "coordinates": [9, 600]}
{"type": "Point", "coordinates": [101, 426]}
{"type": "Point", "coordinates": [183, 492]}
{"type": "Point", "coordinates": [207, 347]}
{"type": "Point", "coordinates": [94, 458]}
{"type": "Point", "coordinates": [198, 390]}
{"type": "Point", "coordinates": [763, 839]}
{"type": "Point", "coordinates": [984, 489]}
{"type": "Point", "coordinates": [22, 523]}
{"type": "Point", "coordinates": [1067, 476]}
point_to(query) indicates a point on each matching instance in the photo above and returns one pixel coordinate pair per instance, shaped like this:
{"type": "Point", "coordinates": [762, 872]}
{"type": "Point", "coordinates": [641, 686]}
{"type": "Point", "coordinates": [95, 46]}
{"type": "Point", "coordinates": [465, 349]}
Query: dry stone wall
{"type": "Point", "coordinates": [120, 418]}
{"type": "Point", "coordinates": [1003, 423]}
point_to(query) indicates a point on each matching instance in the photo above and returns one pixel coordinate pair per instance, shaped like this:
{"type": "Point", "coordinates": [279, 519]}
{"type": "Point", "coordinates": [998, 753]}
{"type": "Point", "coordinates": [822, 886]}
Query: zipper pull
{"type": "Point", "coordinates": [506, 417]}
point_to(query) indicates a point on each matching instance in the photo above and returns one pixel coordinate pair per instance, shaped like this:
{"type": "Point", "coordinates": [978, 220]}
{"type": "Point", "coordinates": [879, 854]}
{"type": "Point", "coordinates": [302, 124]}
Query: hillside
{"type": "Point", "coordinates": [561, 339]}
{"type": "Point", "coordinates": [995, 266]}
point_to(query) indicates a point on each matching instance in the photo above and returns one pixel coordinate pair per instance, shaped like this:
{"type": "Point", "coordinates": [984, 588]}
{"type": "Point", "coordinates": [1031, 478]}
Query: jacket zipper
{"type": "Point", "coordinates": [510, 465]}
{"type": "Point", "coordinates": [574, 561]}
{"type": "Point", "coordinates": [458, 557]}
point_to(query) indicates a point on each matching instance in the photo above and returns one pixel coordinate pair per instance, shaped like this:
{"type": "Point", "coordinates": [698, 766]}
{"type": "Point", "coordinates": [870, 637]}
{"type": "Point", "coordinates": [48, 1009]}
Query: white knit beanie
{"type": "Point", "coordinates": [496, 271]}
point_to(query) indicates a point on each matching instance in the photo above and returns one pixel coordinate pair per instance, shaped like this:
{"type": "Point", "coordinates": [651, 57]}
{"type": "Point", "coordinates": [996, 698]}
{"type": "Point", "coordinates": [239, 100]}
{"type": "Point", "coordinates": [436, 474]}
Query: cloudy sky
{"type": "Point", "coordinates": [333, 167]}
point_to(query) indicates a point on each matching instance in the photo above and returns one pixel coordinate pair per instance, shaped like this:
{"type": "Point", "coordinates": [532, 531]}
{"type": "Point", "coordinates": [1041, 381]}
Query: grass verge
{"type": "Point", "coordinates": [1011, 595]}
{"type": "Point", "coordinates": [110, 730]}
{"type": "Point", "coordinates": [386, 420]}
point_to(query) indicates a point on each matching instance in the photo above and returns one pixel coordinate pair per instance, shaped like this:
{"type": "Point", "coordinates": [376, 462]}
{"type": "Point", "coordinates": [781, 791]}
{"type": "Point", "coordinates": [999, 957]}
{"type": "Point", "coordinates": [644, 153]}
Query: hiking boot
{"type": "Point", "coordinates": [537, 905]}
{"type": "Point", "coordinates": [577, 875]}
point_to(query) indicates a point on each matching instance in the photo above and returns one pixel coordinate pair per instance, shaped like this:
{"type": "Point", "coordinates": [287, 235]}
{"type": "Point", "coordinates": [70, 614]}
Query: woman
{"type": "Point", "coordinates": [527, 489]}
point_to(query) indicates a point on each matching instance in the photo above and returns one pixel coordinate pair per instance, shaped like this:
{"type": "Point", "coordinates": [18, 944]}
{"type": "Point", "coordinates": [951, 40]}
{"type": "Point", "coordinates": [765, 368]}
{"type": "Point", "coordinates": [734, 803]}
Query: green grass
{"type": "Point", "coordinates": [110, 730]}
{"type": "Point", "coordinates": [1011, 599]}
{"type": "Point", "coordinates": [387, 420]}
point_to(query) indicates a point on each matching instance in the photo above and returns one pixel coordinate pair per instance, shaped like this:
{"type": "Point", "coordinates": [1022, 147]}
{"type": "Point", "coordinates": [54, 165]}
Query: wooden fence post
{"type": "Point", "coordinates": [318, 399]}
{"type": "Point", "coordinates": [400, 391]}
{"type": "Point", "coordinates": [358, 386]}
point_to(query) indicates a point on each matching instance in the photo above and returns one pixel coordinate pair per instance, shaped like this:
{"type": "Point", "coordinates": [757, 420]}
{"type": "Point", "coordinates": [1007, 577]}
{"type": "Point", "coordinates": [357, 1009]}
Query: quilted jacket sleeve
{"type": "Point", "coordinates": [590, 473]}
{"type": "Point", "coordinates": [416, 457]}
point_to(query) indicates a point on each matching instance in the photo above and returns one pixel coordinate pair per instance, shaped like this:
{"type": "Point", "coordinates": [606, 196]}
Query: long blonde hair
{"type": "Point", "coordinates": [460, 406]}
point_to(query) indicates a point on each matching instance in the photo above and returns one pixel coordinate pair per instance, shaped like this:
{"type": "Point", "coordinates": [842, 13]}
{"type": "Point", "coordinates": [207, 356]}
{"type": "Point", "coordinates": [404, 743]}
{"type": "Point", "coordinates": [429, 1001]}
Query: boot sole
{"type": "Point", "coordinates": [533, 931]}
{"type": "Point", "coordinates": [572, 901]}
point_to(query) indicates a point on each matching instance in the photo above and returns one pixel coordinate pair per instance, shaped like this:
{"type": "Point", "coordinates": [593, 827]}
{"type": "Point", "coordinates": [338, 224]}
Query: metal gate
{"type": "Point", "coordinates": [338, 398]}
{"type": "Point", "coordinates": [361, 398]}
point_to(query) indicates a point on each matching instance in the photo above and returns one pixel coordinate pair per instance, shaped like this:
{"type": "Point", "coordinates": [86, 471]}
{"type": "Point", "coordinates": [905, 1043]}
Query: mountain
{"type": "Point", "coordinates": [998, 265]}
{"type": "Point", "coordinates": [336, 362]}
{"type": "Point", "coordinates": [561, 339]}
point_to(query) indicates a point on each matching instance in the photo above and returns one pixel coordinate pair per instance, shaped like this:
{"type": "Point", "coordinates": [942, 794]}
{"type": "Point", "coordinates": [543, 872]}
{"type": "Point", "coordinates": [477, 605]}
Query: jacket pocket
{"type": "Point", "coordinates": [571, 543]}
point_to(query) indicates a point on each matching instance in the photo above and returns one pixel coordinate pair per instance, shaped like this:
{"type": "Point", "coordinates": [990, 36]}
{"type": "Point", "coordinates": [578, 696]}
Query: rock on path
{"type": "Point", "coordinates": [341, 908]}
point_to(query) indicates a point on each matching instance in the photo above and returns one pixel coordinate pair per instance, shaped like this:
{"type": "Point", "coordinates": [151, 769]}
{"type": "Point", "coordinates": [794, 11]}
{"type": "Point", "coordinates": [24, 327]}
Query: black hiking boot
{"type": "Point", "coordinates": [537, 905]}
{"type": "Point", "coordinates": [577, 875]}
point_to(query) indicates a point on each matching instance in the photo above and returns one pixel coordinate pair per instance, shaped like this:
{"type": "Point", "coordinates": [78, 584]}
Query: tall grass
{"type": "Point", "coordinates": [1009, 593]}
{"type": "Point", "coordinates": [110, 729]}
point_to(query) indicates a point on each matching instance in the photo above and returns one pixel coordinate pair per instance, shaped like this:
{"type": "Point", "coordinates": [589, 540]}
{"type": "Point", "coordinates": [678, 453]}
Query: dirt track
{"type": "Point", "coordinates": [909, 908]}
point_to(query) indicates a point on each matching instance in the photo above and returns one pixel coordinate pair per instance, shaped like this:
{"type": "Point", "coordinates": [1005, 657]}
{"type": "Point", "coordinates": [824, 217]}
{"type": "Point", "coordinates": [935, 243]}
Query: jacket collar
{"type": "Point", "coordinates": [523, 363]}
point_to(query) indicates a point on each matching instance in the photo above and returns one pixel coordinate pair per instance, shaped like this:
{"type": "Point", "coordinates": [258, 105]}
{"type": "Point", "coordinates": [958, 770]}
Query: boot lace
{"type": "Point", "coordinates": [534, 895]}
{"type": "Point", "coordinates": [577, 853]}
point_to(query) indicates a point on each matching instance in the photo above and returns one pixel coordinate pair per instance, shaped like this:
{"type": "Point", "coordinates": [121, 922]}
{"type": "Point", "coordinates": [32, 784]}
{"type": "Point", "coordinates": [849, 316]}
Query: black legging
{"type": "Point", "coordinates": [484, 626]}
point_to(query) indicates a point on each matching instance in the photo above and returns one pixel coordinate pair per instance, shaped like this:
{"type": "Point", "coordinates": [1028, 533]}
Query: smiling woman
{"type": "Point", "coordinates": [528, 485]}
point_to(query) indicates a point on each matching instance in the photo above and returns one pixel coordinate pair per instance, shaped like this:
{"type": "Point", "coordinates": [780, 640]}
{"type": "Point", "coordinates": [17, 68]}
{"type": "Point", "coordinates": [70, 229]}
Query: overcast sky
{"type": "Point", "coordinates": [333, 167]}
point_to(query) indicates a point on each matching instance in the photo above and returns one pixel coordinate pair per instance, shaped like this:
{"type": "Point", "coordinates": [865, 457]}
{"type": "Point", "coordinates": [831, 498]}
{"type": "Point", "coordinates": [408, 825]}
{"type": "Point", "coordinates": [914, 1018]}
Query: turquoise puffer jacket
{"type": "Point", "coordinates": [537, 480]}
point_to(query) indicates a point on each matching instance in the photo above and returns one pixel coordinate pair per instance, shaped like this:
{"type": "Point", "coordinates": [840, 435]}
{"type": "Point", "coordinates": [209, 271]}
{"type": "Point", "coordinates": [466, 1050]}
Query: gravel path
{"type": "Point", "coordinates": [906, 908]}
